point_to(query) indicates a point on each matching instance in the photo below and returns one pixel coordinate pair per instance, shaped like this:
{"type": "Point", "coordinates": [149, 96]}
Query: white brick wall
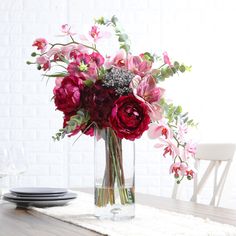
{"type": "Point", "coordinates": [198, 32]}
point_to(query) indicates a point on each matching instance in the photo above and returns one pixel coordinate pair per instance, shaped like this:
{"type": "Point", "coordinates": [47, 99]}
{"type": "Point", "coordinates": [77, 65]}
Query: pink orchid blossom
{"type": "Point", "coordinates": [148, 91]}
{"type": "Point", "coordinates": [156, 112]}
{"type": "Point", "coordinates": [70, 51]}
{"type": "Point", "coordinates": [41, 44]}
{"type": "Point", "coordinates": [145, 89]}
{"type": "Point", "coordinates": [190, 173]}
{"type": "Point", "coordinates": [159, 130]}
{"type": "Point", "coordinates": [190, 150]}
{"type": "Point", "coordinates": [178, 168]}
{"type": "Point", "coordinates": [166, 59]}
{"type": "Point", "coordinates": [182, 131]}
{"type": "Point", "coordinates": [95, 34]}
{"type": "Point", "coordinates": [65, 29]}
{"type": "Point", "coordinates": [44, 61]}
{"type": "Point", "coordinates": [119, 60]}
{"type": "Point", "coordinates": [169, 147]}
{"type": "Point", "coordinates": [139, 66]}
{"type": "Point", "coordinates": [55, 53]}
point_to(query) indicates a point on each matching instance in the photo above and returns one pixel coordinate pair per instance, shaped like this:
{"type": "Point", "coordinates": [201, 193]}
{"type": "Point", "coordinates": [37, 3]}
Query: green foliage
{"type": "Point", "coordinates": [81, 118]}
{"type": "Point", "coordinates": [88, 82]}
{"type": "Point", "coordinates": [174, 114]}
{"type": "Point", "coordinates": [167, 71]}
{"type": "Point", "coordinates": [148, 57]}
{"type": "Point", "coordinates": [58, 74]}
{"type": "Point", "coordinates": [122, 36]}
{"type": "Point", "coordinates": [100, 21]}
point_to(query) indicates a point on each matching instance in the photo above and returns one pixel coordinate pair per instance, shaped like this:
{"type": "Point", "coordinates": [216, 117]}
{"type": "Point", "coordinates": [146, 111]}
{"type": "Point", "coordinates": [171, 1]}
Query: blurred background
{"type": "Point", "coordinates": [199, 33]}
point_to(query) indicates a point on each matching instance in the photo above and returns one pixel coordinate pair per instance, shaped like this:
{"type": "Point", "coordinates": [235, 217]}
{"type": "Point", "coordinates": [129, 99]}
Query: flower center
{"type": "Point", "coordinates": [83, 67]}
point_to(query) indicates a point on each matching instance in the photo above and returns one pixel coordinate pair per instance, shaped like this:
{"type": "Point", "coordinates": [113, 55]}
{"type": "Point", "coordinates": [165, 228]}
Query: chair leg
{"type": "Point", "coordinates": [220, 186]}
{"type": "Point", "coordinates": [215, 189]}
{"type": "Point", "coordinates": [175, 191]}
{"type": "Point", "coordinates": [203, 181]}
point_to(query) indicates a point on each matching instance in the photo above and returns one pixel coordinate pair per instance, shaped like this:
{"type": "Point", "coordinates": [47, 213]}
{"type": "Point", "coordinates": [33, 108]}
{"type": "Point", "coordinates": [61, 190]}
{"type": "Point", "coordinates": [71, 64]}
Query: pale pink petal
{"type": "Point", "coordinates": [154, 131]}
{"type": "Point", "coordinates": [159, 145]}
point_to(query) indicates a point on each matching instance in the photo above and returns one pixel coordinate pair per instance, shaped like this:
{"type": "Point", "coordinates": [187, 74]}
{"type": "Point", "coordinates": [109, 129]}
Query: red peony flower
{"type": "Point", "coordinates": [67, 94]}
{"type": "Point", "coordinates": [129, 117]}
{"type": "Point", "coordinates": [98, 101]}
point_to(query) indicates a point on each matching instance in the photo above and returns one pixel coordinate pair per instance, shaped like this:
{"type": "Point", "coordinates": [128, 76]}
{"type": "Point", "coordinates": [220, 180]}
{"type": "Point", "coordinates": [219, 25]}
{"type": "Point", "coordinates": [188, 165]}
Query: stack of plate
{"type": "Point", "coordinates": [39, 197]}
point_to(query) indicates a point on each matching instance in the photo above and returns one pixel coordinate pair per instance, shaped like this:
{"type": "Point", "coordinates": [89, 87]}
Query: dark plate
{"type": "Point", "coordinates": [37, 191]}
{"type": "Point", "coordinates": [39, 195]}
{"type": "Point", "coordinates": [40, 202]}
{"type": "Point", "coordinates": [66, 196]}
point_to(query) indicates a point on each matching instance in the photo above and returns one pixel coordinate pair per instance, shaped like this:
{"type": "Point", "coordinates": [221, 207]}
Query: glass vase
{"type": "Point", "coordinates": [114, 176]}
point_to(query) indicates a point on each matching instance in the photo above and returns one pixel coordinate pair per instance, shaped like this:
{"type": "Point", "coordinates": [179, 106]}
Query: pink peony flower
{"type": "Point", "coordinates": [67, 94]}
{"type": "Point", "coordinates": [166, 59]}
{"type": "Point", "coordinates": [44, 61]}
{"type": "Point", "coordinates": [129, 117]}
{"type": "Point", "coordinates": [41, 44]}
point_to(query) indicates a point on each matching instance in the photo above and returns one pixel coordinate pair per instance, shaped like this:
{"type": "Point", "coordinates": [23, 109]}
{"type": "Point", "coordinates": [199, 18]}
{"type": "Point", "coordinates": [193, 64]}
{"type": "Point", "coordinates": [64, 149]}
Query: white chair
{"type": "Point", "coordinates": [216, 154]}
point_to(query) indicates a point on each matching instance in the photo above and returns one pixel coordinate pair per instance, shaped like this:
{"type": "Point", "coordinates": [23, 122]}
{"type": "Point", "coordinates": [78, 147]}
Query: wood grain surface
{"type": "Point", "coordinates": [22, 222]}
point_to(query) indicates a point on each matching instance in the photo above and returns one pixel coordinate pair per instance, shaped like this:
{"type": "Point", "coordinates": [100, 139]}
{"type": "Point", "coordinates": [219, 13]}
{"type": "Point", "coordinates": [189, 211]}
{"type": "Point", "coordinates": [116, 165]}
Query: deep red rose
{"type": "Point", "coordinates": [67, 94]}
{"type": "Point", "coordinates": [129, 117]}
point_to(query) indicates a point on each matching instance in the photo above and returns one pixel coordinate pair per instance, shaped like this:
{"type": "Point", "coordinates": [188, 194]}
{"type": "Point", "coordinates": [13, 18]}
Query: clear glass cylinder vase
{"type": "Point", "coordinates": [114, 176]}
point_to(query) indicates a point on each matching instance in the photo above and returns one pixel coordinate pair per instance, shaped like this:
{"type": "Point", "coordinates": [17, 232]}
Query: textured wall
{"type": "Point", "coordinates": [198, 32]}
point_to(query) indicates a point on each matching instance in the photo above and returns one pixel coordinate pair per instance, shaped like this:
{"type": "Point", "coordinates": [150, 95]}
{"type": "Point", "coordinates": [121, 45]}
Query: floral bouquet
{"type": "Point", "coordinates": [119, 96]}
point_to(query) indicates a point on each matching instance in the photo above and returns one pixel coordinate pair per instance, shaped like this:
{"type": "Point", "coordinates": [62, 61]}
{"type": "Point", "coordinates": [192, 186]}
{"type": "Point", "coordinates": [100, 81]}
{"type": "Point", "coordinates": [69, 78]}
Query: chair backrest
{"type": "Point", "coordinates": [216, 154]}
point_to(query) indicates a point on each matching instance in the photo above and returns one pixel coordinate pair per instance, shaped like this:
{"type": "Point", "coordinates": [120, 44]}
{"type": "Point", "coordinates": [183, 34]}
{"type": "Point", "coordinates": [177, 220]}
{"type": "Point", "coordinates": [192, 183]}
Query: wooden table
{"type": "Point", "coordinates": [23, 222]}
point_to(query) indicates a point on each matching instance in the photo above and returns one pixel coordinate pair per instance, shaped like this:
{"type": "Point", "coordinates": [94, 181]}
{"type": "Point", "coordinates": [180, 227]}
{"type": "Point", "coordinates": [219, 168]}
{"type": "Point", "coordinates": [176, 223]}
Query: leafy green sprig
{"type": "Point", "coordinates": [81, 118]}
{"type": "Point", "coordinates": [119, 31]}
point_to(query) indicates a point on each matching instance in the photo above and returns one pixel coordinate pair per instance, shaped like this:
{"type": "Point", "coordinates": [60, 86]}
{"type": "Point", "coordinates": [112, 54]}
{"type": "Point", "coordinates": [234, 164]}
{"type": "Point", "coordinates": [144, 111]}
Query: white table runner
{"type": "Point", "coordinates": [149, 221]}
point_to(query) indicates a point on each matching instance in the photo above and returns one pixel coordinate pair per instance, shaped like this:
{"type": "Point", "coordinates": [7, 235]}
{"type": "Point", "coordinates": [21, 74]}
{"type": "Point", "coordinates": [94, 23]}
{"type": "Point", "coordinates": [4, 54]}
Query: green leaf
{"type": "Point", "coordinates": [100, 21]}
{"type": "Point", "coordinates": [88, 82]}
{"type": "Point", "coordinates": [62, 74]}
{"type": "Point", "coordinates": [114, 20]}
{"type": "Point", "coordinates": [182, 68]}
{"type": "Point", "coordinates": [176, 65]}
{"type": "Point", "coordinates": [126, 47]}
{"type": "Point", "coordinates": [148, 57]}
{"type": "Point", "coordinates": [123, 37]}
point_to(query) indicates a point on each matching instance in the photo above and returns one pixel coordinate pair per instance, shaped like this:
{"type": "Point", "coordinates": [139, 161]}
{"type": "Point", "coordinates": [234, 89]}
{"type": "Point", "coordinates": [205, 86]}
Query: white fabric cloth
{"type": "Point", "coordinates": [149, 221]}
